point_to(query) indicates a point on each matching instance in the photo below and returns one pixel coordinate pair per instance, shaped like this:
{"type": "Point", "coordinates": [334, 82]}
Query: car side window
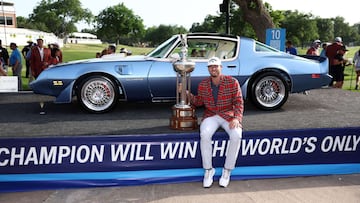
{"type": "Point", "coordinates": [259, 47]}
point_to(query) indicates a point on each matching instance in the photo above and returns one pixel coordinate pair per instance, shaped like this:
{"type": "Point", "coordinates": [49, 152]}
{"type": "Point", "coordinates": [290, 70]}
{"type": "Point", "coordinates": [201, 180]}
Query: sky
{"type": "Point", "coordinates": [186, 12]}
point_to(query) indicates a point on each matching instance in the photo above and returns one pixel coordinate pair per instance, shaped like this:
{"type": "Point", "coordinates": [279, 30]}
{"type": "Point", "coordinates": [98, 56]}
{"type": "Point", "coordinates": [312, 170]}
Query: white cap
{"type": "Point", "coordinates": [338, 39]}
{"type": "Point", "coordinates": [214, 61]}
{"type": "Point", "coordinates": [56, 44]}
{"type": "Point", "coordinates": [123, 50]}
{"type": "Point", "coordinates": [317, 41]}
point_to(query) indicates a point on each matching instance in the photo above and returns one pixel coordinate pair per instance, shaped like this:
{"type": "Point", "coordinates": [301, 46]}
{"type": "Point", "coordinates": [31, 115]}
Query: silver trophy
{"type": "Point", "coordinates": [183, 117]}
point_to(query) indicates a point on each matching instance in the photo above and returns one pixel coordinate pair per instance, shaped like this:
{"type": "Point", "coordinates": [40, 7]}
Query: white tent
{"type": "Point", "coordinates": [82, 38]}
{"type": "Point", "coordinates": [21, 36]}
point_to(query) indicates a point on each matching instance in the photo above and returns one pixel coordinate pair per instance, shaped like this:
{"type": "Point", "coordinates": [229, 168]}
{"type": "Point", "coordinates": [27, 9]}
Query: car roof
{"type": "Point", "coordinates": [213, 34]}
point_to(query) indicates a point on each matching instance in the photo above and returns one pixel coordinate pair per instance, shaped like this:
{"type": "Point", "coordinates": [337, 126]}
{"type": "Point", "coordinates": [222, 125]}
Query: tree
{"type": "Point", "coordinates": [255, 13]}
{"type": "Point", "coordinates": [87, 30]}
{"type": "Point", "coordinates": [119, 24]}
{"type": "Point", "coordinates": [60, 16]}
{"type": "Point", "coordinates": [356, 28]}
{"type": "Point", "coordinates": [300, 28]}
{"type": "Point", "coordinates": [343, 30]}
{"type": "Point", "coordinates": [238, 26]}
{"type": "Point", "coordinates": [252, 17]}
{"type": "Point", "coordinates": [21, 22]}
{"type": "Point", "coordinates": [156, 35]}
{"type": "Point", "coordinates": [325, 29]}
{"type": "Point", "coordinates": [211, 24]}
{"type": "Point", "coordinates": [276, 15]}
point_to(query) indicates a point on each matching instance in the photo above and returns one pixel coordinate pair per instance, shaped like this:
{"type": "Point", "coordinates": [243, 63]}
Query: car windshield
{"type": "Point", "coordinates": [204, 48]}
{"type": "Point", "coordinates": [198, 48]}
{"type": "Point", "coordinates": [164, 48]}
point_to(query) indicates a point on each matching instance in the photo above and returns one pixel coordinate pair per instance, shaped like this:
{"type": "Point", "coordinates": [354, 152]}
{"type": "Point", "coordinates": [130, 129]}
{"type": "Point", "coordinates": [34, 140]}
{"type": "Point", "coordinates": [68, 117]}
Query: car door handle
{"type": "Point", "coordinates": [231, 66]}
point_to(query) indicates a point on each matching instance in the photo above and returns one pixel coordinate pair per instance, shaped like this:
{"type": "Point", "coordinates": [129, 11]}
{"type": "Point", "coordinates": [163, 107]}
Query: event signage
{"type": "Point", "coordinates": [8, 84]}
{"type": "Point", "coordinates": [85, 161]}
{"type": "Point", "coordinates": [276, 38]}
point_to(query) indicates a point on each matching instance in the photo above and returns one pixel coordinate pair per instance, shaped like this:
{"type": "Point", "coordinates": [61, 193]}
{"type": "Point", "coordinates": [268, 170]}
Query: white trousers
{"type": "Point", "coordinates": [207, 129]}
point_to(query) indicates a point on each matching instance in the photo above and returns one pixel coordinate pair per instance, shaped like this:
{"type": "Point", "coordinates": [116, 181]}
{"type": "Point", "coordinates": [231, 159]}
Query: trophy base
{"type": "Point", "coordinates": [183, 118]}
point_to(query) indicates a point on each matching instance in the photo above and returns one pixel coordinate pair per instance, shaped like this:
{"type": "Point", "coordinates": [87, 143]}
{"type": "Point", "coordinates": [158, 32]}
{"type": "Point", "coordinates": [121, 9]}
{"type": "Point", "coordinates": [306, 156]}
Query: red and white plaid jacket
{"type": "Point", "coordinates": [230, 103]}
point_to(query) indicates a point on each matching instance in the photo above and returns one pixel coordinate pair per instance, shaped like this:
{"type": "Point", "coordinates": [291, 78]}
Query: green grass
{"type": "Point", "coordinates": [73, 52]}
{"type": "Point", "coordinates": [349, 81]}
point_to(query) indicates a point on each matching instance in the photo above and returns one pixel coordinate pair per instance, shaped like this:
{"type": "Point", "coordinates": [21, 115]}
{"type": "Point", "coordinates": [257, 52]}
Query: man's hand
{"type": "Point", "coordinates": [234, 124]}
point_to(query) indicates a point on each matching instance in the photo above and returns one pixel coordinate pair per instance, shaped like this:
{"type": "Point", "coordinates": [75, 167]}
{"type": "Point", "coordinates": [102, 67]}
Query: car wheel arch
{"type": "Point", "coordinates": [265, 75]}
{"type": "Point", "coordinates": [112, 78]}
{"type": "Point", "coordinates": [255, 75]}
{"type": "Point", "coordinates": [97, 93]}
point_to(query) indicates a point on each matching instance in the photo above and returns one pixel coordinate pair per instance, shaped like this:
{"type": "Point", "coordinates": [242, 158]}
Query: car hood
{"type": "Point", "coordinates": [107, 58]}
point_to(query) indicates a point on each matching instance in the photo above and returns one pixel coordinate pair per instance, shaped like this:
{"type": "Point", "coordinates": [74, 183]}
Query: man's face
{"type": "Point", "coordinates": [40, 43]}
{"type": "Point", "coordinates": [214, 70]}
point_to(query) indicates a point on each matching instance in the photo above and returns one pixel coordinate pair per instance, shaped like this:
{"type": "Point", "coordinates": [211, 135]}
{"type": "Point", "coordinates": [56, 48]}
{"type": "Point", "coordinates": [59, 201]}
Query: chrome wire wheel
{"type": "Point", "coordinates": [270, 92]}
{"type": "Point", "coordinates": [97, 94]}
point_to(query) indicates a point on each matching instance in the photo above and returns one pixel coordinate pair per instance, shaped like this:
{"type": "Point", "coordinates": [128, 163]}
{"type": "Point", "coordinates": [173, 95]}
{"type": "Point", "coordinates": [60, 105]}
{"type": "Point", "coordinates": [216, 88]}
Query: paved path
{"type": "Point", "coordinates": [322, 108]}
{"type": "Point", "coordinates": [321, 189]}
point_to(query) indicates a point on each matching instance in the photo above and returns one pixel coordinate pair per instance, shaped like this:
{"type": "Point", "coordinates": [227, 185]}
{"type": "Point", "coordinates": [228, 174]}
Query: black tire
{"type": "Point", "coordinates": [269, 91]}
{"type": "Point", "coordinates": [97, 94]}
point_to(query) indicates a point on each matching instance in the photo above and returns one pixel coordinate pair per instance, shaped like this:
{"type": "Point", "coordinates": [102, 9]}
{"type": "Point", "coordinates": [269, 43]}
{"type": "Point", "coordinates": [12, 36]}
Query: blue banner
{"type": "Point", "coordinates": [98, 161]}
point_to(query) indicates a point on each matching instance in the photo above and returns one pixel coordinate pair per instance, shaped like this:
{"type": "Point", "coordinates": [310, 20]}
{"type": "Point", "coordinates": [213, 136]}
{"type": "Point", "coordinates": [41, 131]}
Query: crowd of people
{"type": "Point", "coordinates": [37, 58]}
{"type": "Point", "coordinates": [111, 49]}
{"type": "Point", "coordinates": [335, 53]}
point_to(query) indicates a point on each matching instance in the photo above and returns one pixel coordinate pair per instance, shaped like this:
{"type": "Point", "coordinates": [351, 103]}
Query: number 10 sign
{"type": "Point", "coordinates": [276, 38]}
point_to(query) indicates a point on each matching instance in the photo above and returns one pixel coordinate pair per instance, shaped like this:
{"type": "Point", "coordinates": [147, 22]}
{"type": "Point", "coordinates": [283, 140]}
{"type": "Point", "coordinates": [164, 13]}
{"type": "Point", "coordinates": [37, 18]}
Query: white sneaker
{"type": "Point", "coordinates": [225, 178]}
{"type": "Point", "coordinates": [208, 177]}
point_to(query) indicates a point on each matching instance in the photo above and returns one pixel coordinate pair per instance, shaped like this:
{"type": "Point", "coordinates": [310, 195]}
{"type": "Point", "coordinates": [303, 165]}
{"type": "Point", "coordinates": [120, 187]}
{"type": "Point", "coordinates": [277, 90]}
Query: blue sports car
{"type": "Point", "coordinates": [266, 75]}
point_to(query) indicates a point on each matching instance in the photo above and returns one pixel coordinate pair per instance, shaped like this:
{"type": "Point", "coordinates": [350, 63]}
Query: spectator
{"type": "Point", "coordinates": [55, 56]}
{"type": "Point", "coordinates": [339, 63]}
{"type": "Point", "coordinates": [290, 49]}
{"type": "Point", "coordinates": [98, 55]}
{"type": "Point", "coordinates": [15, 63]}
{"type": "Point", "coordinates": [40, 58]}
{"type": "Point", "coordinates": [194, 53]}
{"type": "Point", "coordinates": [55, 50]}
{"type": "Point", "coordinates": [202, 52]}
{"type": "Point", "coordinates": [356, 61]}
{"type": "Point", "coordinates": [24, 52]}
{"type": "Point", "coordinates": [124, 52]}
{"type": "Point", "coordinates": [111, 49]}
{"type": "Point", "coordinates": [4, 55]}
{"type": "Point", "coordinates": [222, 98]}
{"type": "Point", "coordinates": [104, 52]}
{"type": "Point", "coordinates": [2, 70]}
{"type": "Point", "coordinates": [331, 51]}
{"type": "Point", "coordinates": [314, 49]}
{"type": "Point", "coordinates": [323, 51]}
